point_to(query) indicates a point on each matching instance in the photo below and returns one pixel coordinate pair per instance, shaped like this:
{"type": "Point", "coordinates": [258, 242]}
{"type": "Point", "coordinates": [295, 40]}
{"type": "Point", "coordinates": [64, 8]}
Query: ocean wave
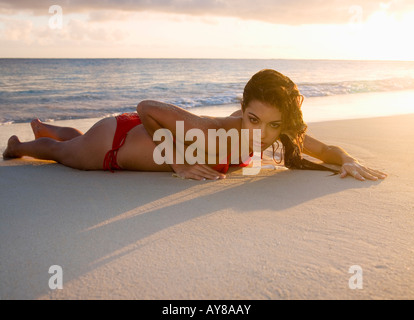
{"type": "Point", "coordinates": [21, 108]}
{"type": "Point", "coordinates": [353, 87]}
{"type": "Point", "coordinates": [93, 88]}
{"type": "Point", "coordinates": [205, 101]}
{"type": "Point", "coordinates": [322, 89]}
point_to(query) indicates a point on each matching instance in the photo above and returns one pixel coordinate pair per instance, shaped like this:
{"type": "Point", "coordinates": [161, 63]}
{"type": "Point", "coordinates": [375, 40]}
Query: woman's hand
{"type": "Point", "coordinates": [196, 172]}
{"type": "Point", "coordinates": [358, 171]}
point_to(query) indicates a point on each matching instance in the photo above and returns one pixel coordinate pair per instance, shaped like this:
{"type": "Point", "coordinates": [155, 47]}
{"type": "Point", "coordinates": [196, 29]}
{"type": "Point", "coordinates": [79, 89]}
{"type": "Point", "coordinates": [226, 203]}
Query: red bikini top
{"type": "Point", "coordinates": [223, 168]}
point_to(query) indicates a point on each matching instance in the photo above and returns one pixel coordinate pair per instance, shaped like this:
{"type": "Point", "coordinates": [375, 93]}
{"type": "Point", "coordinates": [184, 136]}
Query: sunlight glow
{"type": "Point", "coordinates": [385, 36]}
{"type": "Point", "coordinates": [116, 34]}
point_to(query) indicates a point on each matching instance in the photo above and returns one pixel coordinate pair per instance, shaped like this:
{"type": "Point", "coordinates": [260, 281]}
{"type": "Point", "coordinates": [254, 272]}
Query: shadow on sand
{"type": "Point", "coordinates": [81, 220]}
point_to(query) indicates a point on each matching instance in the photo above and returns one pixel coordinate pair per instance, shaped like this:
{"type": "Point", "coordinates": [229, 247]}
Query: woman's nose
{"type": "Point", "coordinates": [263, 132]}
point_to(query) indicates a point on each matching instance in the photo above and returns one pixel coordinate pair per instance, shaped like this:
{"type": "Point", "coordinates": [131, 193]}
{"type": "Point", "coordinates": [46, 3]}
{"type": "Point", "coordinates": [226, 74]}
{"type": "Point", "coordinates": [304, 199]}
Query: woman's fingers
{"type": "Point", "coordinates": [360, 172]}
{"type": "Point", "coordinates": [371, 174]}
{"type": "Point", "coordinates": [357, 175]}
{"type": "Point", "coordinates": [354, 174]}
{"type": "Point", "coordinates": [377, 173]}
{"type": "Point", "coordinates": [199, 172]}
{"type": "Point", "coordinates": [191, 176]}
{"type": "Point", "coordinates": [208, 173]}
{"type": "Point", "coordinates": [367, 175]}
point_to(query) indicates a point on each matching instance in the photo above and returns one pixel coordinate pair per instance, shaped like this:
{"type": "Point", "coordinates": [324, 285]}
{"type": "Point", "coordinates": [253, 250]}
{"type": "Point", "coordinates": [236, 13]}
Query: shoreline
{"type": "Point", "coordinates": [315, 109]}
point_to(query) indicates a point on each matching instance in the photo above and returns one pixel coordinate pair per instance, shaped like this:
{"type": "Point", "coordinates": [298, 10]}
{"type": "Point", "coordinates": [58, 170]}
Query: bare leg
{"type": "Point", "coordinates": [43, 130]}
{"type": "Point", "coordinates": [85, 152]}
{"type": "Point", "coordinates": [42, 148]}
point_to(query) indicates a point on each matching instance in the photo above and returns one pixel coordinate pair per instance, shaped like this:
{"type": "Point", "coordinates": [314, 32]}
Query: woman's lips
{"type": "Point", "coordinates": [259, 145]}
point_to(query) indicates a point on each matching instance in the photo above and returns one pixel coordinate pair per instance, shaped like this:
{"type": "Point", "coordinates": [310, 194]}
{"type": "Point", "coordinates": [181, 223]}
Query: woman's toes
{"type": "Point", "coordinates": [38, 128]}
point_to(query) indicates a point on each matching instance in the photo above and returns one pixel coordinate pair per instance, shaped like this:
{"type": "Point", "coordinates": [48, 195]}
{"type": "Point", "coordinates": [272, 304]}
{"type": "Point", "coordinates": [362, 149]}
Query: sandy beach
{"type": "Point", "coordinates": [279, 235]}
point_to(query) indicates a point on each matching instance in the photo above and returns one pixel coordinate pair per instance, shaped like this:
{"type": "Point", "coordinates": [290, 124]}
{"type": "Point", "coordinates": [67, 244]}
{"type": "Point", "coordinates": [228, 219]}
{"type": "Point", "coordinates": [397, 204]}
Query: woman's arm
{"type": "Point", "coordinates": [337, 155]}
{"type": "Point", "coordinates": [328, 154]}
{"type": "Point", "coordinates": [158, 115]}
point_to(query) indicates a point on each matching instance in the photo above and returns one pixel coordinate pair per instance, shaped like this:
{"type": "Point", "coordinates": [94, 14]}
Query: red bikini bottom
{"type": "Point", "coordinates": [124, 123]}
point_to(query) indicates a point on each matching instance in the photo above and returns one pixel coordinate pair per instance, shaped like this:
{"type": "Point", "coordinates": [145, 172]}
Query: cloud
{"type": "Point", "coordinates": [82, 31]}
{"type": "Point", "coordinates": [289, 12]}
{"type": "Point", "coordinates": [103, 15]}
{"type": "Point", "coordinates": [74, 32]}
{"type": "Point", "coordinates": [16, 30]}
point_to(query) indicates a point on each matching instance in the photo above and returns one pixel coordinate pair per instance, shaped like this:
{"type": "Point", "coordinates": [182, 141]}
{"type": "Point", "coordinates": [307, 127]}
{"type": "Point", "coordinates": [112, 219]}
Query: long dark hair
{"type": "Point", "coordinates": [274, 88]}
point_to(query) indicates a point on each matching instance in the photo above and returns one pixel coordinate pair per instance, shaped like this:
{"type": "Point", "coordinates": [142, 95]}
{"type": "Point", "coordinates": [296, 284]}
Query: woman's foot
{"type": "Point", "coordinates": [11, 152]}
{"type": "Point", "coordinates": [41, 130]}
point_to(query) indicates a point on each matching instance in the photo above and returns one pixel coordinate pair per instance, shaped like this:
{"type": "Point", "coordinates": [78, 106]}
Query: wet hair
{"type": "Point", "coordinates": [273, 88]}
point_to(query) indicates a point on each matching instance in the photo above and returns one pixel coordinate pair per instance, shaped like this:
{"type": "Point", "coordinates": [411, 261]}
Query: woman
{"type": "Point", "coordinates": [271, 104]}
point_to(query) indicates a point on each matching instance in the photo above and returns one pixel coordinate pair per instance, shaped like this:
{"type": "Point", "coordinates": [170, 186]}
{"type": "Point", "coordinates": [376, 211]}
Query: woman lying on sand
{"type": "Point", "coordinates": [271, 103]}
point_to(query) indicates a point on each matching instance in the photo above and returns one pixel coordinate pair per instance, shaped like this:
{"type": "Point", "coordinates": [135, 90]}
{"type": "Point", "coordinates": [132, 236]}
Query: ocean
{"type": "Point", "coordinates": [59, 89]}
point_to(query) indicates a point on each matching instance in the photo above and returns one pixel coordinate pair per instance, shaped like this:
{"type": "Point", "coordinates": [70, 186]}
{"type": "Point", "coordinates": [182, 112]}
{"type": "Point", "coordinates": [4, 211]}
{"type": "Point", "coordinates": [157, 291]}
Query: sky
{"type": "Point", "coordinates": [230, 29]}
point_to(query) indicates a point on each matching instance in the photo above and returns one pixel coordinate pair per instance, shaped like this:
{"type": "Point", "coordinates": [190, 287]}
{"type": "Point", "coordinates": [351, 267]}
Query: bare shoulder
{"type": "Point", "coordinates": [237, 113]}
{"type": "Point", "coordinates": [226, 123]}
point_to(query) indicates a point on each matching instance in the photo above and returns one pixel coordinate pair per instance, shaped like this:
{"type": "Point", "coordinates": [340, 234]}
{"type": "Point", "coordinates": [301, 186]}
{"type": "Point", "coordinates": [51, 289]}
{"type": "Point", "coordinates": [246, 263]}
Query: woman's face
{"type": "Point", "coordinates": [266, 118]}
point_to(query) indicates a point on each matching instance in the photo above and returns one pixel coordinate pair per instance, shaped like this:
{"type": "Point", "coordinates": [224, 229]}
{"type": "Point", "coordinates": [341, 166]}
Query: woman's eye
{"type": "Point", "coordinates": [275, 125]}
{"type": "Point", "coordinates": [253, 120]}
